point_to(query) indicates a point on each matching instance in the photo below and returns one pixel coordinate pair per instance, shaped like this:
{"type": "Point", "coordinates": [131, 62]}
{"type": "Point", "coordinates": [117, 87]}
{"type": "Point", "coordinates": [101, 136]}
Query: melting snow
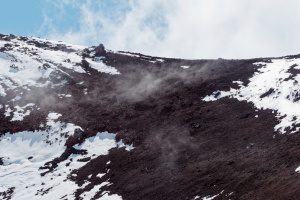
{"type": "Point", "coordinates": [101, 67]}
{"type": "Point", "coordinates": [216, 95]}
{"type": "Point", "coordinates": [19, 113]}
{"type": "Point", "coordinates": [2, 91]}
{"type": "Point", "coordinates": [90, 194]}
{"type": "Point", "coordinates": [64, 95]}
{"type": "Point", "coordinates": [53, 116]}
{"type": "Point", "coordinates": [107, 196]}
{"type": "Point", "coordinates": [272, 87]}
{"type": "Point", "coordinates": [127, 54]}
{"type": "Point", "coordinates": [210, 197]}
{"type": "Point", "coordinates": [100, 175]}
{"type": "Point", "coordinates": [23, 64]}
{"type": "Point", "coordinates": [17, 98]}
{"type": "Point", "coordinates": [7, 111]}
{"type": "Point", "coordinates": [143, 57]}
{"type": "Point", "coordinates": [23, 153]}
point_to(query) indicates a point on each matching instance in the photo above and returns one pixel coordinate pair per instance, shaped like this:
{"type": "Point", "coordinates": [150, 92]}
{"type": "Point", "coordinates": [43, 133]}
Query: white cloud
{"type": "Point", "coordinates": [188, 29]}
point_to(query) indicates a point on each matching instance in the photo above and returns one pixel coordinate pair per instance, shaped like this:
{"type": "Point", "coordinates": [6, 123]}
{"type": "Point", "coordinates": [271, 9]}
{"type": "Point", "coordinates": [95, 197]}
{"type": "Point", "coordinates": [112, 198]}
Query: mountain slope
{"type": "Point", "coordinates": [88, 123]}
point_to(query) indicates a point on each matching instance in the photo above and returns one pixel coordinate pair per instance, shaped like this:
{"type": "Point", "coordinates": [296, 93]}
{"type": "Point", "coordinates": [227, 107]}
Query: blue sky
{"type": "Point", "coordinates": [20, 17]}
{"type": "Point", "coordinates": [27, 17]}
{"type": "Point", "coordinates": [169, 28]}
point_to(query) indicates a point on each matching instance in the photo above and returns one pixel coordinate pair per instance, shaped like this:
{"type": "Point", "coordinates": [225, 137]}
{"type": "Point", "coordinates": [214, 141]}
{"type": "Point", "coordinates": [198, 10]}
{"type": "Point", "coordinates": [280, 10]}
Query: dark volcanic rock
{"type": "Point", "coordinates": [10, 37]}
{"type": "Point", "coordinates": [100, 50]}
{"type": "Point", "coordinates": [50, 166]}
{"type": "Point", "coordinates": [85, 65]}
{"type": "Point", "coordinates": [184, 146]}
{"type": "Point", "coordinates": [78, 133]}
{"type": "Point", "coordinates": [7, 195]}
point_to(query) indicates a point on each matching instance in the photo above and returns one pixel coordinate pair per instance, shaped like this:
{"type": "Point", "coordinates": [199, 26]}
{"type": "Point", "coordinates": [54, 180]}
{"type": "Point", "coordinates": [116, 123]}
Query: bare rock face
{"type": "Point", "coordinates": [100, 50]}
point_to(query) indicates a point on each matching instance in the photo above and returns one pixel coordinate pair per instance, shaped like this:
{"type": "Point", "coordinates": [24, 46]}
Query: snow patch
{"type": "Point", "coordinates": [90, 194]}
{"type": "Point", "coordinates": [64, 95]}
{"type": "Point", "coordinates": [185, 67]}
{"type": "Point", "coordinates": [107, 196]}
{"type": "Point", "coordinates": [217, 95]}
{"type": "Point", "coordinates": [209, 197]}
{"type": "Point", "coordinates": [7, 111]}
{"type": "Point", "coordinates": [274, 87]}
{"type": "Point", "coordinates": [53, 116]}
{"type": "Point", "coordinates": [2, 91]}
{"type": "Point", "coordinates": [101, 143]}
{"type": "Point", "coordinates": [160, 60]}
{"type": "Point", "coordinates": [101, 67]}
{"type": "Point", "coordinates": [23, 154]}
{"type": "Point", "coordinates": [17, 98]}
{"type": "Point", "coordinates": [19, 113]}
{"type": "Point", "coordinates": [100, 175]}
{"type": "Point", "coordinates": [126, 54]}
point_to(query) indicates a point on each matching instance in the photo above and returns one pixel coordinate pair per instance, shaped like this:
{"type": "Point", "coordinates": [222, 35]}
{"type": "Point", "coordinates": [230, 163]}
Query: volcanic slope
{"type": "Point", "coordinates": [89, 123]}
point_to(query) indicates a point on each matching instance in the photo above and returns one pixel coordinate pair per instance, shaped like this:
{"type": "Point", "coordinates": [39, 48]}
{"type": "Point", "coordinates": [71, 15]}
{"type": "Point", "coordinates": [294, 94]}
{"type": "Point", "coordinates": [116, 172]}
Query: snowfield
{"type": "Point", "coordinates": [25, 63]}
{"type": "Point", "coordinates": [24, 153]}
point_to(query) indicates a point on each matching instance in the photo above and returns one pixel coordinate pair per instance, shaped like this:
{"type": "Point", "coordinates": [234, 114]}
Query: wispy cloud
{"type": "Point", "coordinates": [187, 29]}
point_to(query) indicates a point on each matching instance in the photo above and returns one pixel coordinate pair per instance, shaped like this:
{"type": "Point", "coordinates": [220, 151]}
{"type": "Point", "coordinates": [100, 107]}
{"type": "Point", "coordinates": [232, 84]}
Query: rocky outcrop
{"type": "Point", "coordinates": [78, 133]}
{"type": "Point", "coordinates": [100, 50]}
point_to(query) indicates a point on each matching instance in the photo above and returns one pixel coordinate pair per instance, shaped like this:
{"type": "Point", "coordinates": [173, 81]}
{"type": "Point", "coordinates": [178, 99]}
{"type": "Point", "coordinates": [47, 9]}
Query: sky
{"type": "Point", "coordinates": [192, 29]}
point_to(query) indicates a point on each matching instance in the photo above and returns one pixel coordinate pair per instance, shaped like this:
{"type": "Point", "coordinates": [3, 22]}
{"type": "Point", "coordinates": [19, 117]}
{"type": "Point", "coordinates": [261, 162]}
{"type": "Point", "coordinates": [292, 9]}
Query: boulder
{"type": "Point", "coordinates": [100, 50]}
{"type": "Point", "coordinates": [78, 133]}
